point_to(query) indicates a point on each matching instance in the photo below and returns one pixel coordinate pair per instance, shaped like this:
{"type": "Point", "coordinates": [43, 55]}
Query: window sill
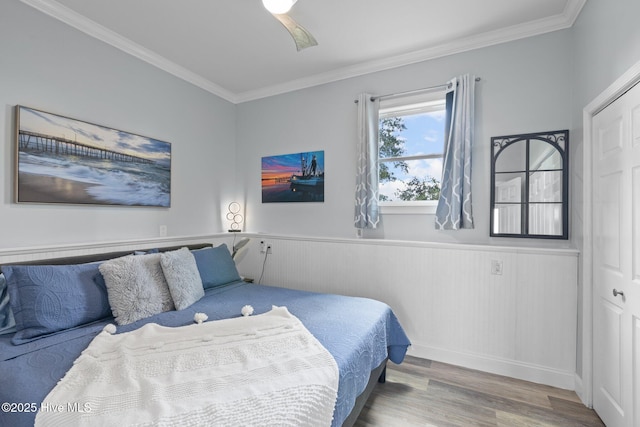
{"type": "Point", "coordinates": [408, 208]}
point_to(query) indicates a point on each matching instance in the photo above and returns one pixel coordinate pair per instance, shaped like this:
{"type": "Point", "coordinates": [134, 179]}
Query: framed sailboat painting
{"type": "Point", "coordinates": [297, 177]}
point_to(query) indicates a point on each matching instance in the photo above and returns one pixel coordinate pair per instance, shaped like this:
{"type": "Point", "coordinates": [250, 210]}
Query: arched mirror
{"type": "Point", "coordinates": [529, 185]}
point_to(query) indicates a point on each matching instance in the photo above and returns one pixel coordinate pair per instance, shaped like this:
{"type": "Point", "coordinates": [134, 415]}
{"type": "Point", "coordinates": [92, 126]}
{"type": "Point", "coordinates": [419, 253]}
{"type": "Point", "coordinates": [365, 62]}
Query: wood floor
{"type": "Point", "coordinates": [421, 392]}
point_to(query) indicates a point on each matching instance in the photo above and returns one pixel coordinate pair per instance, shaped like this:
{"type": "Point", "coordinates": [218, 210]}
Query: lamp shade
{"type": "Point", "coordinates": [278, 7]}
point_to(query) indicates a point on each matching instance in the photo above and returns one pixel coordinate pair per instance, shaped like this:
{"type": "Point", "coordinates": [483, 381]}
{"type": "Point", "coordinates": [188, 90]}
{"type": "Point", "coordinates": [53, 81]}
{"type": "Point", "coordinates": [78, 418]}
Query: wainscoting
{"type": "Point", "coordinates": [521, 323]}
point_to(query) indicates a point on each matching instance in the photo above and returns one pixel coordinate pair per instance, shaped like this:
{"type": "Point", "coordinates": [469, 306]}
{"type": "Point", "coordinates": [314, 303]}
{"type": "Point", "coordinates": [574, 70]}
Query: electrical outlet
{"type": "Point", "coordinates": [162, 230]}
{"type": "Point", "coordinates": [496, 267]}
{"type": "Point", "coordinates": [269, 250]}
{"type": "Point", "coordinates": [263, 247]}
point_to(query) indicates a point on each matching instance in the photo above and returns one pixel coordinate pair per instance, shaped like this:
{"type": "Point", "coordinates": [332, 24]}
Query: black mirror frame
{"type": "Point", "coordinates": [560, 141]}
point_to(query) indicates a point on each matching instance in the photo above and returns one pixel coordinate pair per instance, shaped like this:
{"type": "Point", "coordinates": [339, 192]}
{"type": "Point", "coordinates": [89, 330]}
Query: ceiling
{"type": "Point", "coordinates": [235, 49]}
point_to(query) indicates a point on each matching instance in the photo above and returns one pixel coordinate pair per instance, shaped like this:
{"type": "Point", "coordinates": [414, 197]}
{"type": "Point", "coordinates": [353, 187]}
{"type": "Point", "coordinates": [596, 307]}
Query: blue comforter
{"type": "Point", "coordinates": [359, 332]}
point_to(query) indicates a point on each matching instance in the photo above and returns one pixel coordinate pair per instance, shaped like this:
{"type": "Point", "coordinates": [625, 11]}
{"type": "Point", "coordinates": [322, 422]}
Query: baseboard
{"type": "Point", "coordinates": [510, 368]}
{"type": "Point", "coordinates": [582, 393]}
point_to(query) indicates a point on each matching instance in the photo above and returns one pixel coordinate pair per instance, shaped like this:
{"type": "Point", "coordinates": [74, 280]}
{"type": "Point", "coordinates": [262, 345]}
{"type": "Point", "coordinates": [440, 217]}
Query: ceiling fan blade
{"type": "Point", "coordinates": [301, 36]}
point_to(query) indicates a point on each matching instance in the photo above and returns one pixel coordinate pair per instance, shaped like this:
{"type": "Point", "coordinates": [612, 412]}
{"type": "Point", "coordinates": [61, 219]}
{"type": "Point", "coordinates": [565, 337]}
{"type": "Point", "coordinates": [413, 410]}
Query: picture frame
{"type": "Point", "coordinates": [296, 177]}
{"type": "Point", "coordinates": [530, 185]}
{"type": "Point", "coordinates": [61, 160]}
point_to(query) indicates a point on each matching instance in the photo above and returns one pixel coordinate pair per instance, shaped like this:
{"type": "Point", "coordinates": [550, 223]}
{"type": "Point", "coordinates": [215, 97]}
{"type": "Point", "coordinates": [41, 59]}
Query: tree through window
{"type": "Point", "coordinates": [411, 146]}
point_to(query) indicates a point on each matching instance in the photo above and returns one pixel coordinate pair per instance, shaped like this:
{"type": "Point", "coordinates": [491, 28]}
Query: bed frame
{"type": "Point", "coordinates": [378, 375]}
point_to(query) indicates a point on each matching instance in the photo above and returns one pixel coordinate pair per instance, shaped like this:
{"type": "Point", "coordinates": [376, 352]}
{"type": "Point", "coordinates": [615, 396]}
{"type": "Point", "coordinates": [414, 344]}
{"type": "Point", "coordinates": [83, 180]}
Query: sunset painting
{"type": "Point", "coordinates": [295, 177]}
{"type": "Point", "coordinates": [62, 160]}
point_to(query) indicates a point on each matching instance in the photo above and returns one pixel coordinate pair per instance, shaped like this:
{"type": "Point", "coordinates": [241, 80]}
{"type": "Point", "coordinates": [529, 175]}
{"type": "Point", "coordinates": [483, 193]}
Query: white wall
{"type": "Point", "coordinates": [525, 87]}
{"type": "Point", "coordinates": [50, 66]}
{"type": "Point", "coordinates": [521, 323]}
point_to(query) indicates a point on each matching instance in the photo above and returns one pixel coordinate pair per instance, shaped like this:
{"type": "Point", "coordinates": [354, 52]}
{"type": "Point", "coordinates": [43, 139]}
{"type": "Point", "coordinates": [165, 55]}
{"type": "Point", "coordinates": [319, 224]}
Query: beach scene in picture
{"type": "Point", "coordinates": [62, 160]}
{"type": "Point", "coordinates": [295, 177]}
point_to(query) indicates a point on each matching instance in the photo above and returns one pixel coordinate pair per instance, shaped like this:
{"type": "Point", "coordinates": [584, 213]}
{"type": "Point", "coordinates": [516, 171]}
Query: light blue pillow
{"type": "Point", "coordinates": [7, 322]}
{"type": "Point", "coordinates": [50, 298]}
{"type": "Point", "coordinates": [136, 287]}
{"type": "Point", "coordinates": [181, 271]}
{"type": "Point", "coordinates": [216, 266]}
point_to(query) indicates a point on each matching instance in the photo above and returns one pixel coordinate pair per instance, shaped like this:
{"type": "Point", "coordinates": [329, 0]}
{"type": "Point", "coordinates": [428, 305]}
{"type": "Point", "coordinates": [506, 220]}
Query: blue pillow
{"type": "Point", "coordinates": [50, 298]}
{"type": "Point", "coordinates": [216, 267]}
{"type": "Point", "coordinates": [7, 322]}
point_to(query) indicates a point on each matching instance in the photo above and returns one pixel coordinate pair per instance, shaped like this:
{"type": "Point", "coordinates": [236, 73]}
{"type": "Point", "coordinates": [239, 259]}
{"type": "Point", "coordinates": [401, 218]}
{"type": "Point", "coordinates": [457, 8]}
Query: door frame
{"type": "Point", "coordinates": [584, 385]}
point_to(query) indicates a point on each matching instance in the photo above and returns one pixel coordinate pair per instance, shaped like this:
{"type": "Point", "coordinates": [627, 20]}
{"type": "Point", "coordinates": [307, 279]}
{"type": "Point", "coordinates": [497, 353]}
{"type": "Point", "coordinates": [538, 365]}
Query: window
{"type": "Point", "coordinates": [411, 147]}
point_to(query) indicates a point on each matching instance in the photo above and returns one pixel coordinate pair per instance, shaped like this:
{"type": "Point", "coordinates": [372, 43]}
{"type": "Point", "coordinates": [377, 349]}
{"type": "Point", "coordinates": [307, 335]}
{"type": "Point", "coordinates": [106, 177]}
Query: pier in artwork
{"type": "Point", "coordinates": [33, 141]}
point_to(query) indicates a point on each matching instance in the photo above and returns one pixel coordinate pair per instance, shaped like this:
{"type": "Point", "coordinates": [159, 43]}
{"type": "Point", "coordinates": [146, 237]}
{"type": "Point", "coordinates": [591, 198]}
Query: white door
{"type": "Point", "coordinates": [616, 262]}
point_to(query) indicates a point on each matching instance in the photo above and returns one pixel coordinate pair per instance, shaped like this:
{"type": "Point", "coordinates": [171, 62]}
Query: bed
{"type": "Point", "coordinates": [360, 334]}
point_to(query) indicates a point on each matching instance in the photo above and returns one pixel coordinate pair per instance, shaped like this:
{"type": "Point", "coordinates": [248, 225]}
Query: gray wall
{"type": "Point", "coordinates": [525, 87]}
{"type": "Point", "coordinates": [541, 83]}
{"type": "Point", "coordinates": [605, 44]}
{"type": "Point", "coordinates": [47, 65]}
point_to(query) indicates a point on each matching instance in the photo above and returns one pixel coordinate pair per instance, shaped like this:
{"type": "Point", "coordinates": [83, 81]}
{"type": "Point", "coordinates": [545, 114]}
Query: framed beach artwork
{"type": "Point", "coordinates": [295, 177]}
{"type": "Point", "coordinates": [63, 160]}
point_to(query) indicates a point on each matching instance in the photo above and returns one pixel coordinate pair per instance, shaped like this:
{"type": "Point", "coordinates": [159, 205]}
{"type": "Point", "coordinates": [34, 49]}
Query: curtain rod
{"type": "Point", "coordinates": [411, 92]}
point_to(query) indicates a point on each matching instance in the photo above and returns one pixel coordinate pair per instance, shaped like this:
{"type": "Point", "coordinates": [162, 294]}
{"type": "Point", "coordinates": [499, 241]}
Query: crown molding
{"type": "Point", "coordinates": [529, 29]}
{"type": "Point", "coordinates": [572, 10]}
{"type": "Point", "coordinates": [541, 26]}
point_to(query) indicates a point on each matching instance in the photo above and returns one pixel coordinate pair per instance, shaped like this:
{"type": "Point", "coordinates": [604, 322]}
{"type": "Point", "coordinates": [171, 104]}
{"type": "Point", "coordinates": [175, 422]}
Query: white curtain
{"type": "Point", "coordinates": [366, 201]}
{"type": "Point", "coordinates": [454, 207]}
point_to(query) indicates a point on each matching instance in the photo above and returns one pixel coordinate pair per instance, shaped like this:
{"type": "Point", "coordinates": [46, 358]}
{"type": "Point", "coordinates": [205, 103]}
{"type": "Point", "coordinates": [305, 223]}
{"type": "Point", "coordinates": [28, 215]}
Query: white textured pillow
{"type": "Point", "coordinates": [181, 271]}
{"type": "Point", "coordinates": [136, 287]}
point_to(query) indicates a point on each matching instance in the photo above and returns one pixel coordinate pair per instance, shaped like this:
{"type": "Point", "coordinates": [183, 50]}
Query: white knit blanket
{"type": "Point", "coordinates": [264, 370]}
